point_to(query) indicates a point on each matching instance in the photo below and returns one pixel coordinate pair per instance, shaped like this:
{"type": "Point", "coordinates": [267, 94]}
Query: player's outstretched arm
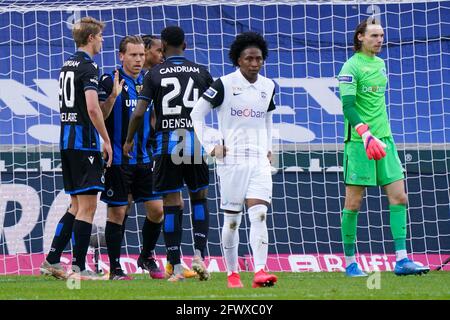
{"type": "Point", "coordinates": [135, 122]}
{"type": "Point", "coordinates": [211, 144]}
{"type": "Point", "coordinates": [108, 104]}
{"type": "Point", "coordinates": [96, 116]}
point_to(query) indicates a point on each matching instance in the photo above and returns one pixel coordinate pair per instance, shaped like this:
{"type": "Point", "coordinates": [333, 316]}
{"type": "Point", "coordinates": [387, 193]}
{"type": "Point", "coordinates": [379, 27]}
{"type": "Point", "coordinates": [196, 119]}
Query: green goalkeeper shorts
{"type": "Point", "coordinates": [360, 171]}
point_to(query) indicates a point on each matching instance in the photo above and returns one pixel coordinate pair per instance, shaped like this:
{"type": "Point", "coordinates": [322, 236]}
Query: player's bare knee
{"type": "Point", "coordinates": [399, 199]}
{"type": "Point", "coordinates": [155, 215]}
{"type": "Point", "coordinates": [116, 214]}
{"type": "Point", "coordinates": [87, 216]}
{"type": "Point", "coordinates": [353, 204]}
{"type": "Point", "coordinates": [352, 207]}
{"type": "Point", "coordinates": [87, 210]}
{"type": "Point", "coordinates": [199, 195]}
{"type": "Point", "coordinates": [173, 199]}
{"type": "Point", "coordinates": [73, 210]}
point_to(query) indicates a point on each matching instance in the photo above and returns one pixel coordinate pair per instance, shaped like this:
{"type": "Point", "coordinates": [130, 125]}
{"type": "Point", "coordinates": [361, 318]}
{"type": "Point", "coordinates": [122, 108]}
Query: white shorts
{"type": "Point", "coordinates": [243, 181]}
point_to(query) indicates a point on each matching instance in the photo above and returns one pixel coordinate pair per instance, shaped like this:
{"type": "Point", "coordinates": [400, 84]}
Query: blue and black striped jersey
{"type": "Point", "coordinates": [174, 87]}
{"type": "Point", "coordinates": [119, 118]}
{"type": "Point", "coordinates": [78, 74]}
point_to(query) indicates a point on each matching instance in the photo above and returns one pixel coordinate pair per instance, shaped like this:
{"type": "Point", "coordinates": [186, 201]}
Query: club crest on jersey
{"type": "Point", "coordinates": [345, 78]}
{"type": "Point", "coordinates": [210, 93]}
{"type": "Point", "coordinates": [383, 71]}
{"type": "Point", "coordinates": [139, 88]}
{"type": "Point", "coordinates": [263, 95]}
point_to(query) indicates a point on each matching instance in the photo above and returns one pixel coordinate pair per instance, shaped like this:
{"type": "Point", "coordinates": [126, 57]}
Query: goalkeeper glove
{"type": "Point", "coordinates": [374, 147]}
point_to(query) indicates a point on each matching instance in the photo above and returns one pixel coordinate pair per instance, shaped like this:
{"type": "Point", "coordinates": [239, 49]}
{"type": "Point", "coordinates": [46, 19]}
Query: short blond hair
{"type": "Point", "coordinates": [129, 39]}
{"type": "Point", "coordinates": [85, 27]}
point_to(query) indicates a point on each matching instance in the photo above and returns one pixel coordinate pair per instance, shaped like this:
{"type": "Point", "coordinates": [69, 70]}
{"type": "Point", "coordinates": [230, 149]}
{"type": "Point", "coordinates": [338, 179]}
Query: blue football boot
{"type": "Point", "coordinates": [354, 271]}
{"type": "Point", "coordinates": [406, 267]}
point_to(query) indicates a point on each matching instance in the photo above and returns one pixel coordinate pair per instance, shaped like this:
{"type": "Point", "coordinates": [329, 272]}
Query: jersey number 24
{"type": "Point", "coordinates": [168, 109]}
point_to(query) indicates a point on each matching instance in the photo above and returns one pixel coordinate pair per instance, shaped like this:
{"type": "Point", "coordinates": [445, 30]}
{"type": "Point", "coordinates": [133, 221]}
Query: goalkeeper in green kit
{"type": "Point", "coordinates": [370, 155]}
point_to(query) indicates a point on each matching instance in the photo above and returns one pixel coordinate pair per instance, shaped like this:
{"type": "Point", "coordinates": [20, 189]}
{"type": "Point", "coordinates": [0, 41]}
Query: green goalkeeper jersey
{"type": "Point", "coordinates": [365, 77]}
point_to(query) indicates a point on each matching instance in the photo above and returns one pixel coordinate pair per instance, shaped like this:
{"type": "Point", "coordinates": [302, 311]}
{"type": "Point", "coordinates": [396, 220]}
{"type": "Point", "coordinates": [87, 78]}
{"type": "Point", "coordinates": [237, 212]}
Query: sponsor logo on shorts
{"type": "Point", "coordinates": [225, 203]}
{"type": "Point", "coordinates": [102, 179]}
{"type": "Point", "coordinates": [110, 193]}
{"type": "Point", "coordinates": [355, 177]}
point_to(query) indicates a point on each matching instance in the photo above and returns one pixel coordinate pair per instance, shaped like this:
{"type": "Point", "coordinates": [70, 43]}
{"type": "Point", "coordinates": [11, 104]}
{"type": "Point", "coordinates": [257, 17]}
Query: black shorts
{"type": "Point", "coordinates": [125, 179]}
{"type": "Point", "coordinates": [169, 177]}
{"type": "Point", "coordinates": [82, 171]}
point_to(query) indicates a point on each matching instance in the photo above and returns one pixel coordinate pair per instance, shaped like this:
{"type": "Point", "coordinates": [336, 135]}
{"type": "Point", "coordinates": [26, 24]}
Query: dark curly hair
{"type": "Point", "coordinates": [148, 40]}
{"type": "Point", "coordinates": [246, 40]}
{"type": "Point", "coordinates": [173, 36]}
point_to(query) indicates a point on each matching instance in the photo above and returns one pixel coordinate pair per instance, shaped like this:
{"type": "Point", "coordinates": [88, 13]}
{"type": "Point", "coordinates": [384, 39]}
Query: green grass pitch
{"type": "Point", "coordinates": [290, 286]}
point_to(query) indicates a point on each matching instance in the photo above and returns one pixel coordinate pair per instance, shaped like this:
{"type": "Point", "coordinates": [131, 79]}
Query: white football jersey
{"type": "Point", "coordinates": [242, 108]}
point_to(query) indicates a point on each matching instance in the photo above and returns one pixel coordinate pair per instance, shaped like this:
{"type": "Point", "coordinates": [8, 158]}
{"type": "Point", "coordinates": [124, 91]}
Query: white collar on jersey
{"type": "Point", "coordinates": [244, 82]}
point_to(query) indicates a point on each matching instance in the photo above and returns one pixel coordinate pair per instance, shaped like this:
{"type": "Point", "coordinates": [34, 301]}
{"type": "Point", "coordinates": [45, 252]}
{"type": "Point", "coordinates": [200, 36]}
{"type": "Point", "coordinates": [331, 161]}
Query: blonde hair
{"type": "Point", "coordinates": [129, 39]}
{"type": "Point", "coordinates": [85, 27]}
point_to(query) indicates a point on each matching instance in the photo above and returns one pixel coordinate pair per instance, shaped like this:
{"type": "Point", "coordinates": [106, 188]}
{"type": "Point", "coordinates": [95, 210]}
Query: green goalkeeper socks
{"type": "Point", "coordinates": [398, 228]}
{"type": "Point", "coordinates": [348, 230]}
{"type": "Point", "coordinates": [398, 225]}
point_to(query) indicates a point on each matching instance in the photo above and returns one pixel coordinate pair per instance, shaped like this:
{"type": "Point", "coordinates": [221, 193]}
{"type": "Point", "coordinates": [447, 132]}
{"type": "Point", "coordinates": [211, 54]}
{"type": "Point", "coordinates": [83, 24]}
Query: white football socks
{"type": "Point", "coordinates": [349, 260]}
{"type": "Point", "coordinates": [230, 240]}
{"type": "Point", "coordinates": [400, 255]}
{"type": "Point", "coordinates": [259, 236]}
